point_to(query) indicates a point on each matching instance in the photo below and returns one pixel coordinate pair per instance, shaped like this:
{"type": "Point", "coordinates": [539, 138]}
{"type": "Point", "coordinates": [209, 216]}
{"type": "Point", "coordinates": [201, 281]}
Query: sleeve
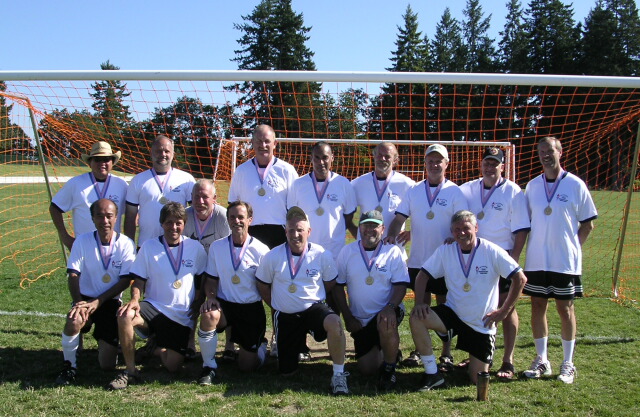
{"type": "Point", "coordinates": [133, 191]}
{"type": "Point", "coordinates": [76, 257]}
{"type": "Point", "coordinates": [222, 224]}
{"type": "Point", "coordinates": [188, 188]}
{"type": "Point", "coordinates": [587, 209]}
{"type": "Point", "coordinates": [201, 263]}
{"type": "Point", "coordinates": [264, 272]}
{"type": "Point", "coordinates": [139, 266]}
{"type": "Point", "coordinates": [329, 269]}
{"type": "Point", "coordinates": [128, 256]}
{"type": "Point", "coordinates": [435, 265]}
{"type": "Point", "coordinates": [234, 191]}
{"type": "Point", "coordinates": [350, 204]}
{"type": "Point", "coordinates": [505, 265]}
{"type": "Point", "coordinates": [291, 194]}
{"type": "Point", "coordinates": [212, 267]}
{"type": "Point", "coordinates": [64, 197]}
{"type": "Point", "coordinates": [459, 201]}
{"type": "Point", "coordinates": [519, 213]}
{"type": "Point", "coordinates": [341, 264]}
{"type": "Point", "coordinates": [527, 192]}
{"type": "Point", "coordinates": [399, 271]}
{"type": "Point", "coordinates": [405, 204]}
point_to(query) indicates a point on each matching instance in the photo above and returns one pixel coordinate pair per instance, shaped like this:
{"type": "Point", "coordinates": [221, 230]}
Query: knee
{"type": "Point", "coordinates": [210, 318]}
{"type": "Point", "coordinates": [333, 325]}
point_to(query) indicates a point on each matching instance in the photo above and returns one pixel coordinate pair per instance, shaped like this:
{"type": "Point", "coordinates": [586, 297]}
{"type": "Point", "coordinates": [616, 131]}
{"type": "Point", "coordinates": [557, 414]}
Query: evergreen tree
{"type": "Point", "coordinates": [601, 49]}
{"type": "Point", "coordinates": [447, 47]}
{"type": "Point", "coordinates": [627, 35]}
{"type": "Point", "coordinates": [480, 53]}
{"type": "Point", "coordinates": [109, 107]}
{"type": "Point", "coordinates": [512, 55]}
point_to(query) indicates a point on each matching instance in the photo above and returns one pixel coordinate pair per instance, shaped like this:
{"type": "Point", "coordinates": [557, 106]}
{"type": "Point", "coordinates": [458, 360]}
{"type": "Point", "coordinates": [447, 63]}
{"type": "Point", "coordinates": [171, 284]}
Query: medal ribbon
{"type": "Point", "coordinates": [236, 260]}
{"type": "Point", "coordinates": [294, 269]}
{"type": "Point", "coordinates": [380, 191]}
{"type": "Point", "coordinates": [556, 184]}
{"type": "Point", "coordinates": [485, 198]}
{"type": "Point", "coordinates": [161, 184]}
{"type": "Point", "coordinates": [263, 172]}
{"type": "Point", "coordinates": [467, 266]}
{"type": "Point", "coordinates": [432, 197]}
{"type": "Point", "coordinates": [105, 257]}
{"type": "Point", "coordinates": [175, 263]}
{"type": "Point", "coordinates": [320, 191]}
{"type": "Point", "coordinates": [368, 262]}
{"type": "Point", "coordinates": [99, 193]}
{"type": "Point", "coordinates": [200, 230]}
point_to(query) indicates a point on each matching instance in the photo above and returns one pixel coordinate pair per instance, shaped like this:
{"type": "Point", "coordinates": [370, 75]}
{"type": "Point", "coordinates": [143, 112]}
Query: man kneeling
{"type": "Point", "coordinates": [471, 268]}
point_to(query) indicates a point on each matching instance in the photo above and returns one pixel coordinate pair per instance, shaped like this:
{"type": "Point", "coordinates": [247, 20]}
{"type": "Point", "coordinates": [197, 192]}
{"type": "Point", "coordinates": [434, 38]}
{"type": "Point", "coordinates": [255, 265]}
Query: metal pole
{"type": "Point", "coordinates": [627, 210]}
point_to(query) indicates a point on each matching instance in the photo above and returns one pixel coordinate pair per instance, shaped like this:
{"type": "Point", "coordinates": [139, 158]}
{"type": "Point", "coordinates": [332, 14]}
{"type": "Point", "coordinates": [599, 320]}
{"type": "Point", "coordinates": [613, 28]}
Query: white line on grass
{"type": "Point", "coordinates": [30, 313]}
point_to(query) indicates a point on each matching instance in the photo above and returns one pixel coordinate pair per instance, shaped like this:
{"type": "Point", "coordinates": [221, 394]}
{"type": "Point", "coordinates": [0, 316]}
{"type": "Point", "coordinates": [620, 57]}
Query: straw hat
{"type": "Point", "coordinates": [101, 149]}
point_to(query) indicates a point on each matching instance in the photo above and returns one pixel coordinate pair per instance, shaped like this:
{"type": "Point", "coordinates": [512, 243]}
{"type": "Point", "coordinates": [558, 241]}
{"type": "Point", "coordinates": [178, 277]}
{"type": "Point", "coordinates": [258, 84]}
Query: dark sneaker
{"type": "Point", "coordinates": [411, 361]}
{"type": "Point", "coordinates": [339, 384]}
{"type": "Point", "coordinates": [207, 376]}
{"type": "Point", "coordinates": [67, 376]}
{"type": "Point", "coordinates": [430, 382]}
{"type": "Point", "coordinates": [123, 380]}
{"type": "Point", "coordinates": [386, 379]}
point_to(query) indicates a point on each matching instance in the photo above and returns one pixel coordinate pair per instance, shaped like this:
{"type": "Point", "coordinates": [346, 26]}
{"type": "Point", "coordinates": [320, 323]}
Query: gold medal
{"type": "Point", "coordinates": [164, 200]}
{"type": "Point", "coordinates": [466, 287]}
{"type": "Point", "coordinates": [292, 288]}
{"type": "Point", "coordinates": [319, 211]}
{"type": "Point", "coordinates": [548, 210]}
{"type": "Point", "coordinates": [106, 278]}
{"type": "Point", "coordinates": [235, 279]}
{"type": "Point", "coordinates": [480, 215]}
{"type": "Point", "coordinates": [369, 280]}
{"type": "Point", "coordinates": [379, 208]}
{"type": "Point", "coordinates": [261, 192]}
{"type": "Point", "coordinates": [430, 215]}
{"type": "Point", "coordinates": [177, 284]}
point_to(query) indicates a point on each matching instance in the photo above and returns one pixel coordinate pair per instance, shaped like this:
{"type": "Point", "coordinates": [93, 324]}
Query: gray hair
{"type": "Point", "coordinates": [463, 215]}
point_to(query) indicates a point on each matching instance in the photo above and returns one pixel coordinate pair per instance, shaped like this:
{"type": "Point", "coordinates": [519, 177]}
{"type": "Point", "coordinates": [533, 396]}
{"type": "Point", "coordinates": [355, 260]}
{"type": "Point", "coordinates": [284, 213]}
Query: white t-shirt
{"type": "Point", "coordinates": [270, 208]}
{"type": "Point", "coordinates": [318, 266]}
{"type": "Point", "coordinates": [367, 198]}
{"type": "Point", "coordinates": [428, 234]}
{"type": "Point", "coordinates": [85, 260]}
{"type": "Point", "coordinates": [505, 211]}
{"type": "Point", "coordinates": [79, 193]}
{"type": "Point", "coordinates": [553, 242]}
{"type": "Point", "coordinates": [145, 193]}
{"type": "Point", "coordinates": [487, 266]}
{"type": "Point", "coordinates": [388, 269]}
{"type": "Point", "coordinates": [216, 228]}
{"type": "Point", "coordinates": [328, 229]}
{"type": "Point", "coordinates": [220, 265]}
{"type": "Point", "coordinates": [153, 265]}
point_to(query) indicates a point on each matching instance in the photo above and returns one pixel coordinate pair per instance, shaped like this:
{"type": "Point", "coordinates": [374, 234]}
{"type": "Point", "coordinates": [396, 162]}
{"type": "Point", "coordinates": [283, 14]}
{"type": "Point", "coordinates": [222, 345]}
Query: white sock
{"type": "Point", "coordinates": [208, 345]}
{"type": "Point", "coordinates": [429, 362]}
{"type": "Point", "coordinates": [69, 347]}
{"type": "Point", "coordinates": [541, 347]}
{"type": "Point", "coordinates": [567, 348]}
{"type": "Point", "coordinates": [338, 369]}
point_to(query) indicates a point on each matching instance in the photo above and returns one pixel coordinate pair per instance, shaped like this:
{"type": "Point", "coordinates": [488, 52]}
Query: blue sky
{"type": "Point", "coordinates": [346, 35]}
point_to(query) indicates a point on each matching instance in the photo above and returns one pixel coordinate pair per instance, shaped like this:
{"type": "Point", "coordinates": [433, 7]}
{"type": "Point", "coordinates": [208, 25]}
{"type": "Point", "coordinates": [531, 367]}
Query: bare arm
{"type": "Point", "coordinates": [517, 284]}
{"type": "Point", "coordinates": [58, 222]}
{"type": "Point", "coordinates": [394, 228]}
{"type": "Point", "coordinates": [265, 292]}
{"type": "Point", "coordinates": [584, 231]}
{"type": "Point", "coordinates": [130, 215]}
{"type": "Point", "coordinates": [518, 245]}
{"type": "Point", "coordinates": [421, 288]}
{"type": "Point", "coordinates": [73, 282]}
{"type": "Point", "coordinates": [351, 323]}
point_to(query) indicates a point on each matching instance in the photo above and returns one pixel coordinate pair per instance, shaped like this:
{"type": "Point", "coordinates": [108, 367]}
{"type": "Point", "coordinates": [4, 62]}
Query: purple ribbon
{"type": "Point", "coordinates": [294, 269]}
{"type": "Point", "coordinates": [99, 193]}
{"type": "Point", "coordinates": [320, 192]}
{"type": "Point", "coordinates": [236, 260]}
{"type": "Point", "coordinates": [466, 266]}
{"type": "Point", "coordinates": [368, 262]}
{"type": "Point", "coordinates": [105, 257]}
{"type": "Point", "coordinates": [175, 263]}
{"type": "Point", "coordinates": [485, 198]}
{"type": "Point", "coordinates": [199, 230]}
{"type": "Point", "coordinates": [432, 197]}
{"type": "Point", "coordinates": [263, 172]}
{"type": "Point", "coordinates": [556, 184]}
{"type": "Point", "coordinates": [380, 191]}
{"type": "Point", "coordinates": [161, 184]}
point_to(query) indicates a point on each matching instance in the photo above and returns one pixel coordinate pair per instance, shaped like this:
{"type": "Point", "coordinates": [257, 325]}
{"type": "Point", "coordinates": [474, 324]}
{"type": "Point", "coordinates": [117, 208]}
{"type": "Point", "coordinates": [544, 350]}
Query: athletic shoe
{"type": "Point", "coordinates": [67, 376]}
{"type": "Point", "coordinates": [386, 379]}
{"type": "Point", "coordinates": [304, 357]}
{"type": "Point", "coordinates": [339, 384]}
{"type": "Point", "coordinates": [274, 347]}
{"type": "Point", "coordinates": [411, 361]}
{"type": "Point", "coordinates": [568, 372]}
{"type": "Point", "coordinates": [207, 376]}
{"type": "Point", "coordinates": [123, 380]}
{"type": "Point", "coordinates": [430, 382]}
{"type": "Point", "coordinates": [539, 368]}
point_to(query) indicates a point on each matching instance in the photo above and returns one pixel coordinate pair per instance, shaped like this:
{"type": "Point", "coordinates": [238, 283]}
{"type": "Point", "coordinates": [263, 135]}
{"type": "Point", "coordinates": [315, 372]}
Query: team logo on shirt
{"type": "Point", "coordinates": [562, 197]}
{"type": "Point", "coordinates": [115, 198]}
{"type": "Point", "coordinates": [188, 263]}
{"type": "Point", "coordinates": [116, 264]}
{"type": "Point", "coordinates": [482, 270]}
{"type": "Point", "coordinates": [442, 202]}
{"type": "Point", "coordinates": [273, 183]}
{"type": "Point", "coordinates": [497, 206]}
{"type": "Point", "coordinates": [332, 197]}
{"type": "Point", "coordinates": [381, 268]}
{"type": "Point", "coordinates": [313, 273]}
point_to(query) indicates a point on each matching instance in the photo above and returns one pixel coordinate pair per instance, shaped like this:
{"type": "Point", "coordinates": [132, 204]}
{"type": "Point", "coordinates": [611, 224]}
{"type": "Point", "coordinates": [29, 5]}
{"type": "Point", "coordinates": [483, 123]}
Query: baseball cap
{"type": "Point", "coordinates": [371, 216]}
{"type": "Point", "coordinates": [436, 147]}
{"type": "Point", "coordinates": [494, 153]}
{"type": "Point", "coordinates": [296, 213]}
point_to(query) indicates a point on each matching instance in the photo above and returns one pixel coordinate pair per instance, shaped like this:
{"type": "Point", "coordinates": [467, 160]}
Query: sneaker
{"type": "Point", "coordinates": [339, 384]}
{"type": "Point", "coordinates": [430, 382]}
{"type": "Point", "coordinates": [411, 361]}
{"type": "Point", "coordinates": [207, 376]}
{"type": "Point", "coordinates": [304, 357]}
{"type": "Point", "coordinates": [274, 347]}
{"type": "Point", "coordinates": [567, 372]}
{"type": "Point", "coordinates": [386, 379]}
{"type": "Point", "coordinates": [67, 376]}
{"type": "Point", "coordinates": [539, 368]}
{"type": "Point", "coordinates": [123, 380]}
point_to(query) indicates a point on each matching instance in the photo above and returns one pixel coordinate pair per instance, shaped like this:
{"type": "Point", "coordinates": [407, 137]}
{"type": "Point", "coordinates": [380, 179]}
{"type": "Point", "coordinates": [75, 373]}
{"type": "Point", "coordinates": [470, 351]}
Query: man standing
{"type": "Point", "coordinates": [98, 269]}
{"type": "Point", "coordinates": [501, 211]}
{"type": "Point", "coordinates": [152, 189]}
{"type": "Point", "coordinates": [232, 296]}
{"type": "Point", "coordinates": [471, 268]}
{"type": "Point", "coordinates": [562, 214]}
{"type": "Point", "coordinates": [81, 191]}
{"type": "Point", "coordinates": [430, 204]}
{"type": "Point", "coordinates": [165, 270]}
{"type": "Point", "coordinates": [376, 278]}
{"type": "Point", "coordinates": [263, 182]}
{"type": "Point", "coordinates": [206, 220]}
{"type": "Point", "coordinates": [293, 279]}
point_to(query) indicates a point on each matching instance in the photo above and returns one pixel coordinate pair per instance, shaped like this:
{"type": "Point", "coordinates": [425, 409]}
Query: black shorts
{"type": "Point", "coordinates": [291, 333]}
{"type": "Point", "coordinates": [546, 284]}
{"type": "Point", "coordinates": [104, 321]}
{"type": "Point", "coordinates": [249, 323]}
{"type": "Point", "coordinates": [504, 285]}
{"type": "Point", "coordinates": [271, 235]}
{"type": "Point", "coordinates": [368, 337]}
{"type": "Point", "coordinates": [479, 345]}
{"type": "Point", "coordinates": [168, 333]}
{"type": "Point", "coordinates": [434, 286]}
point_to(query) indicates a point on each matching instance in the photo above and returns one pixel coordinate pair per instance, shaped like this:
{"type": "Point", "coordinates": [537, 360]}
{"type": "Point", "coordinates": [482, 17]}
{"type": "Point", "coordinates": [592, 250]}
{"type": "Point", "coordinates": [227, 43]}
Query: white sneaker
{"type": "Point", "coordinates": [539, 368]}
{"type": "Point", "coordinates": [339, 384]}
{"type": "Point", "coordinates": [567, 372]}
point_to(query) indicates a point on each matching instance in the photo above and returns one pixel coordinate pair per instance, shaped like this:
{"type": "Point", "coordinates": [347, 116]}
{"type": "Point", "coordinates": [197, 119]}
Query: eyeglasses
{"type": "Point", "coordinates": [101, 159]}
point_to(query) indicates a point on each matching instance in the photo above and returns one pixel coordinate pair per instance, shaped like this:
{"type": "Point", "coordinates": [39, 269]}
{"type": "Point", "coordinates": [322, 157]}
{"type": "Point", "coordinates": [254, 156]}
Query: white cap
{"type": "Point", "coordinates": [438, 148]}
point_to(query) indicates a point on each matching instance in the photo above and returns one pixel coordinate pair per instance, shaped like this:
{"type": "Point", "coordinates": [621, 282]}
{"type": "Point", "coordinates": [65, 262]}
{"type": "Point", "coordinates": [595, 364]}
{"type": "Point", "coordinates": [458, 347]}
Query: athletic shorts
{"type": "Point", "coordinates": [271, 235]}
{"type": "Point", "coordinates": [546, 284]}
{"type": "Point", "coordinates": [104, 321]}
{"type": "Point", "coordinates": [168, 333]}
{"type": "Point", "coordinates": [504, 285]}
{"type": "Point", "coordinates": [291, 333]}
{"type": "Point", "coordinates": [479, 345]}
{"type": "Point", "coordinates": [434, 286]}
{"type": "Point", "coordinates": [249, 323]}
{"type": "Point", "coordinates": [368, 337]}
